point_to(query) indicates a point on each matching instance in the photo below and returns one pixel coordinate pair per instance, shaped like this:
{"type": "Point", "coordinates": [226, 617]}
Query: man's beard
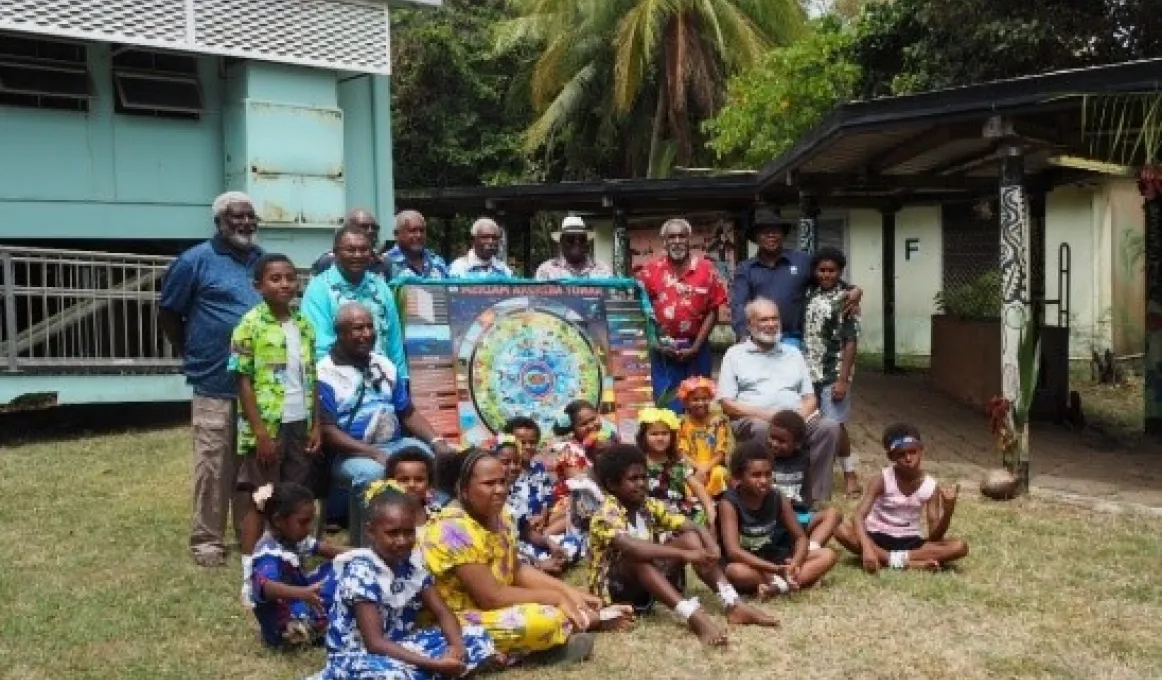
{"type": "Point", "coordinates": [766, 338]}
{"type": "Point", "coordinates": [678, 252]}
{"type": "Point", "coordinates": [239, 239]}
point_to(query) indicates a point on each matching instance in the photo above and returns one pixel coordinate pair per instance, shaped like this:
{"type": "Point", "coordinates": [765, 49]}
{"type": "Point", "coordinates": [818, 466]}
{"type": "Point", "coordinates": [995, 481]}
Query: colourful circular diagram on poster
{"type": "Point", "coordinates": [530, 357]}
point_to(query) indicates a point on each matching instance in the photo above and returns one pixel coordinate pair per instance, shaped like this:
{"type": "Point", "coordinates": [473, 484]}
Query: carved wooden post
{"type": "Point", "coordinates": [1150, 184]}
{"type": "Point", "coordinates": [621, 254]}
{"type": "Point", "coordinates": [808, 222]}
{"type": "Point", "coordinates": [1015, 315]}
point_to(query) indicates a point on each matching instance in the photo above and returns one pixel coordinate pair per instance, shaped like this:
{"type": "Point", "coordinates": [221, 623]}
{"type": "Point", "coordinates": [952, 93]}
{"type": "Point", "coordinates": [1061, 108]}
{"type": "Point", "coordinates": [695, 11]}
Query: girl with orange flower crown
{"type": "Point", "coordinates": [704, 438]}
{"type": "Point", "coordinates": [671, 479]}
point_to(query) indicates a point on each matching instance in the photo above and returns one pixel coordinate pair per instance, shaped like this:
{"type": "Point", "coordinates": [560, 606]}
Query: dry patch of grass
{"type": "Point", "coordinates": [98, 584]}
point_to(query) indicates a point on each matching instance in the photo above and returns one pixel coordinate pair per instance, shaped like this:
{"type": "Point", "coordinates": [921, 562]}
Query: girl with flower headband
{"type": "Point", "coordinates": [704, 438]}
{"type": "Point", "coordinates": [885, 529]}
{"type": "Point", "coordinates": [290, 603]}
{"type": "Point", "coordinates": [671, 478]}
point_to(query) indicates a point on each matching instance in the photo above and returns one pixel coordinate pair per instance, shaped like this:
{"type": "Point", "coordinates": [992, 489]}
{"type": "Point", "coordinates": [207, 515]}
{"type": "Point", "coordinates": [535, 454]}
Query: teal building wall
{"type": "Point", "coordinates": [305, 143]}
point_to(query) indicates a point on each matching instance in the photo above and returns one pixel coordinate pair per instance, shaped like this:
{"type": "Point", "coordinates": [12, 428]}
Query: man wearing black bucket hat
{"type": "Point", "coordinates": [777, 274]}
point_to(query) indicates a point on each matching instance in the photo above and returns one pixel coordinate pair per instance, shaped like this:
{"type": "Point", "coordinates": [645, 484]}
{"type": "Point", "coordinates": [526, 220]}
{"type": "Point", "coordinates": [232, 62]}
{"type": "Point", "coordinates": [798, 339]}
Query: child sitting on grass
{"type": "Point", "coordinates": [582, 436]}
{"type": "Point", "coordinates": [289, 603]}
{"type": "Point", "coordinates": [764, 545]}
{"type": "Point", "coordinates": [885, 530]}
{"type": "Point", "coordinates": [704, 439]}
{"type": "Point", "coordinates": [633, 565]}
{"type": "Point", "coordinates": [792, 465]}
{"type": "Point", "coordinates": [380, 594]}
{"type": "Point", "coordinates": [671, 477]}
{"type": "Point", "coordinates": [550, 555]}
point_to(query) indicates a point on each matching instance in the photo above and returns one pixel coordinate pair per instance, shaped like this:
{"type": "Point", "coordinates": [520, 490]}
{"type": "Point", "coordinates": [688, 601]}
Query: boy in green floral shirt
{"type": "Point", "coordinates": [272, 353]}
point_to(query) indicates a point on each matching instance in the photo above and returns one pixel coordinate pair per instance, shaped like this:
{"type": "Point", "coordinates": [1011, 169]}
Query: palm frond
{"type": "Point", "coordinates": [1124, 128]}
{"type": "Point", "coordinates": [567, 104]}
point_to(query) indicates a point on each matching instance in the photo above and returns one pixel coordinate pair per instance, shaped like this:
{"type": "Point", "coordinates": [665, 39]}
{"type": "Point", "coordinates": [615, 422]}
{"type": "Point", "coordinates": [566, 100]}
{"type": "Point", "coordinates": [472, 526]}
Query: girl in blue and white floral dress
{"type": "Point", "coordinates": [373, 633]}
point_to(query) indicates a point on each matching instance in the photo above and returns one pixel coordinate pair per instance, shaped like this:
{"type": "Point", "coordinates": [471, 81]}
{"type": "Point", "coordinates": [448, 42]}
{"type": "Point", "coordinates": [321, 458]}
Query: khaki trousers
{"type": "Point", "coordinates": [215, 472]}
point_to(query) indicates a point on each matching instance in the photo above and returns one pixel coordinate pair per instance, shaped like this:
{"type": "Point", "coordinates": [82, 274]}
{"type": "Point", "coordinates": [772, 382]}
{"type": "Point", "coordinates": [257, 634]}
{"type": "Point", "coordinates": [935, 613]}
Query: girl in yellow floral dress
{"type": "Point", "coordinates": [471, 550]}
{"type": "Point", "coordinates": [704, 439]}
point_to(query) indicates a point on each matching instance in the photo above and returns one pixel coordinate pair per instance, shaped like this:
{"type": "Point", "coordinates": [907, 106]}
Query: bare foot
{"type": "Point", "coordinates": [851, 485]}
{"type": "Point", "coordinates": [923, 565]}
{"type": "Point", "coordinates": [616, 618]}
{"type": "Point", "coordinates": [743, 614]}
{"type": "Point", "coordinates": [706, 630]}
{"type": "Point", "coordinates": [766, 592]}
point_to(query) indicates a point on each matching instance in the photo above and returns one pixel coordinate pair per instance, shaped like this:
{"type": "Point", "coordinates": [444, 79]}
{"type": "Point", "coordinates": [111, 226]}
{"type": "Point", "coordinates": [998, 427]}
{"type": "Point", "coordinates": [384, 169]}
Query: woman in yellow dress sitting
{"type": "Point", "coordinates": [470, 548]}
{"type": "Point", "coordinates": [704, 438]}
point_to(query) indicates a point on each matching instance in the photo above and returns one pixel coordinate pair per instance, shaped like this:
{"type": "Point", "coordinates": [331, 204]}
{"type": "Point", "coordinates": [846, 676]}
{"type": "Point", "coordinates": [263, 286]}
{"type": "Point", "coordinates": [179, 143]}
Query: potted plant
{"type": "Point", "coordinates": [966, 341]}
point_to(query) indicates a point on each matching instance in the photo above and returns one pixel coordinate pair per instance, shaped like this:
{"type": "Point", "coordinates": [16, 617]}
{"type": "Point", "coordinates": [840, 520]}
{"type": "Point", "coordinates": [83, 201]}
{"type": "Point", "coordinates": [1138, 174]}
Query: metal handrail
{"type": "Point", "coordinates": [79, 311]}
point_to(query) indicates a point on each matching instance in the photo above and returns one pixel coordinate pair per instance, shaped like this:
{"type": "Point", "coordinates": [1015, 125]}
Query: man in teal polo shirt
{"type": "Point", "coordinates": [204, 294]}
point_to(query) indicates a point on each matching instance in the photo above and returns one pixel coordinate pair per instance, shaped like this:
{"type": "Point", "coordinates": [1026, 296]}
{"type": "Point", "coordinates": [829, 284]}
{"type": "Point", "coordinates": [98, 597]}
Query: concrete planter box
{"type": "Point", "coordinates": [966, 364]}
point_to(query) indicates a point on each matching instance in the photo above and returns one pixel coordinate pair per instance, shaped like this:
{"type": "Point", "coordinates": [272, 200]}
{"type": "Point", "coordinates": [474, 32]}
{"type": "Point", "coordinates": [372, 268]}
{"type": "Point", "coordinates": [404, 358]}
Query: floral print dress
{"type": "Point", "coordinates": [286, 622]}
{"type": "Point", "coordinates": [532, 495]}
{"type": "Point", "coordinates": [667, 483]}
{"type": "Point", "coordinates": [395, 589]}
{"type": "Point", "coordinates": [454, 539]}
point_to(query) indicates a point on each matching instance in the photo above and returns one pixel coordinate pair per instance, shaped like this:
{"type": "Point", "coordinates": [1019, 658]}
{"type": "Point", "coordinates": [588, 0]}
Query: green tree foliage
{"type": "Point", "coordinates": [769, 107]}
{"type": "Point", "coordinates": [909, 46]}
{"type": "Point", "coordinates": [453, 123]}
{"type": "Point", "coordinates": [634, 78]}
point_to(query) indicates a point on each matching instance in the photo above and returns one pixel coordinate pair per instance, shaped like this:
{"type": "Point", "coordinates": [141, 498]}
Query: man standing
{"type": "Point", "coordinates": [205, 292]}
{"type": "Point", "coordinates": [779, 275]}
{"type": "Point", "coordinates": [686, 292]}
{"type": "Point", "coordinates": [362, 219]}
{"type": "Point", "coordinates": [761, 376]}
{"type": "Point", "coordinates": [574, 261]}
{"type": "Point", "coordinates": [410, 258]}
{"type": "Point", "coordinates": [349, 281]}
{"type": "Point", "coordinates": [481, 261]}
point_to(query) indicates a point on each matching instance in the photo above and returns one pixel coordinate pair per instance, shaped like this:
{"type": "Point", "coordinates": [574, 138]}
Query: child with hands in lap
{"type": "Point", "coordinates": [373, 632]}
{"type": "Point", "coordinates": [766, 549]}
{"type": "Point", "coordinates": [885, 530]}
{"type": "Point", "coordinates": [633, 565]}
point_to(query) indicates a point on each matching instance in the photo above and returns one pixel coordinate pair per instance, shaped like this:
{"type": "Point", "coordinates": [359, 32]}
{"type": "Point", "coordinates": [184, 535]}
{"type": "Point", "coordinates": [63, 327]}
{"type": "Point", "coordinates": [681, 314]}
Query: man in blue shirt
{"type": "Point", "coordinates": [410, 258]}
{"type": "Point", "coordinates": [348, 280]}
{"type": "Point", "coordinates": [483, 259]}
{"type": "Point", "coordinates": [779, 275]}
{"type": "Point", "coordinates": [205, 292]}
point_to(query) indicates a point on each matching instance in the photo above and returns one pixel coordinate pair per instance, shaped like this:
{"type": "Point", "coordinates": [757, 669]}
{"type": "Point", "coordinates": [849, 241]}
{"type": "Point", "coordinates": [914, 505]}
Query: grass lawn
{"type": "Point", "coordinates": [98, 584]}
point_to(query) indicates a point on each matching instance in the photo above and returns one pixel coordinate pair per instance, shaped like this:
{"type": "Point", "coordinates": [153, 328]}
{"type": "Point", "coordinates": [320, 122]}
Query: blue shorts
{"type": "Point", "coordinates": [837, 411]}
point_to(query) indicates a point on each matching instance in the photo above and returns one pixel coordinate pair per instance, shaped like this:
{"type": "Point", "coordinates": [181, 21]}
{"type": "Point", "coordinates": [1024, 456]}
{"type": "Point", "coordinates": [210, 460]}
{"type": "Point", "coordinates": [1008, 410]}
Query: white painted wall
{"type": "Point", "coordinates": [1080, 217]}
{"type": "Point", "coordinates": [919, 271]}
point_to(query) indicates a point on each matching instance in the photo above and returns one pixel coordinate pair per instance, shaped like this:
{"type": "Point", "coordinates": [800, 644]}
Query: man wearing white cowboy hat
{"type": "Point", "coordinates": [574, 261]}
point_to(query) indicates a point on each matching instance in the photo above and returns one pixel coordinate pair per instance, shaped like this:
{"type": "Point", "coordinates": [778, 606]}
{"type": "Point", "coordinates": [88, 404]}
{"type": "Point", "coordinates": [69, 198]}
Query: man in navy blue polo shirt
{"type": "Point", "coordinates": [779, 275]}
{"type": "Point", "coordinates": [205, 292]}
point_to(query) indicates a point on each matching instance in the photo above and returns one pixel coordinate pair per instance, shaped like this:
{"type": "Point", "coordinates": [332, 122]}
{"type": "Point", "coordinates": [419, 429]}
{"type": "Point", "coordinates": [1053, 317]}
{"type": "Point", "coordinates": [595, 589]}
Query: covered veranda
{"type": "Point", "coordinates": [1010, 141]}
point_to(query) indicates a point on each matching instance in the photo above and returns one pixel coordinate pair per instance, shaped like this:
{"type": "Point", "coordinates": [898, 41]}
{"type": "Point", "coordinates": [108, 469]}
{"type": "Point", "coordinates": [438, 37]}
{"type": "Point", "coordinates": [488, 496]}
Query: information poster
{"type": "Point", "coordinates": [480, 353]}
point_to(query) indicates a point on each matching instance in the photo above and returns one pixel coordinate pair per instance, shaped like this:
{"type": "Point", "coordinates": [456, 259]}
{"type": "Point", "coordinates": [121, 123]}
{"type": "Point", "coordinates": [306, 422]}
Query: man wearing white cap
{"type": "Point", "coordinates": [574, 262]}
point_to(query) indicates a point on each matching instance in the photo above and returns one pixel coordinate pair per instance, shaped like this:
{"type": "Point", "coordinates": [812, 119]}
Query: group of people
{"type": "Point", "coordinates": [464, 548]}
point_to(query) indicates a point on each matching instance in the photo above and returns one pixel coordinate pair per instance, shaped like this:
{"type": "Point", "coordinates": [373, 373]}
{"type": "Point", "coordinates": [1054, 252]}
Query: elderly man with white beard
{"type": "Point", "coordinates": [204, 294]}
{"type": "Point", "coordinates": [761, 376]}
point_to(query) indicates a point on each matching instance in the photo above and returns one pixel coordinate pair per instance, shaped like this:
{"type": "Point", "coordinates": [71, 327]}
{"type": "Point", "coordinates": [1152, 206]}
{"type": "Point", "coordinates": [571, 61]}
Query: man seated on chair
{"type": "Point", "coordinates": [364, 408]}
{"type": "Point", "coordinates": [761, 376]}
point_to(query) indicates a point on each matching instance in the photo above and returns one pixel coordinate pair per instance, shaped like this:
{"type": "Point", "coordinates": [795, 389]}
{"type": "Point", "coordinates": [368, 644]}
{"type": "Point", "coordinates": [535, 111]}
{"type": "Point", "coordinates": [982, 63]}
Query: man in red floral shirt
{"type": "Point", "coordinates": [686, 292]}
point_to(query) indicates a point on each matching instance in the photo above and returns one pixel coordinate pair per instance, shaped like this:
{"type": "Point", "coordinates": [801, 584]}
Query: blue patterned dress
{"type": "Point", "coordinates": [364, 577]}
{"type": "Point", "coordinates": [531, 495]}
{"type": "Point", "coordinates": [286, 622]}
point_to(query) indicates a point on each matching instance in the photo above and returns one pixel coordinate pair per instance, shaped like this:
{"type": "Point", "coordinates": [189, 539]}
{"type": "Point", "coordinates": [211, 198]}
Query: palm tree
{"type": "Point", "coordinates": [620, 58]}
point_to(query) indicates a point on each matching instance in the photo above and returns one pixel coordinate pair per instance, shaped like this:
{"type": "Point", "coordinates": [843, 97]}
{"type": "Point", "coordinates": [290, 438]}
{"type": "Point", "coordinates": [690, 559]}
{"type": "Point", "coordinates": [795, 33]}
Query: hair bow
{"type": "Point", "coordinates": [651, 415]}
{"type": "Point", "coordinates": [261, 495]}
{"type": "Point", "coordinates": [689, 386]}
{"type": "Point", "coordinates": [563, 420]}
{"type": "Point", "coordinates": [378, 487]}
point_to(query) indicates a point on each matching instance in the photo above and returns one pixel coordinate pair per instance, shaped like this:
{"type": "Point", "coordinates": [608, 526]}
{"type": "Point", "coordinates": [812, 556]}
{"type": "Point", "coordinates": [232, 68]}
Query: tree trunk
{"type": "Point", "coordinates": [656, 133]}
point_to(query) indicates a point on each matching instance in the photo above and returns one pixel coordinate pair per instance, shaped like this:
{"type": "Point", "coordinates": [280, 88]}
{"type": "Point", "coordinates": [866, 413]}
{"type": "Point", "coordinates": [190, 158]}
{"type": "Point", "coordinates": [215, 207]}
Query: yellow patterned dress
{"type": "Point", "coordinates": [703, 442]}
{"type": "Point", "coordinates": [453, 539]}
